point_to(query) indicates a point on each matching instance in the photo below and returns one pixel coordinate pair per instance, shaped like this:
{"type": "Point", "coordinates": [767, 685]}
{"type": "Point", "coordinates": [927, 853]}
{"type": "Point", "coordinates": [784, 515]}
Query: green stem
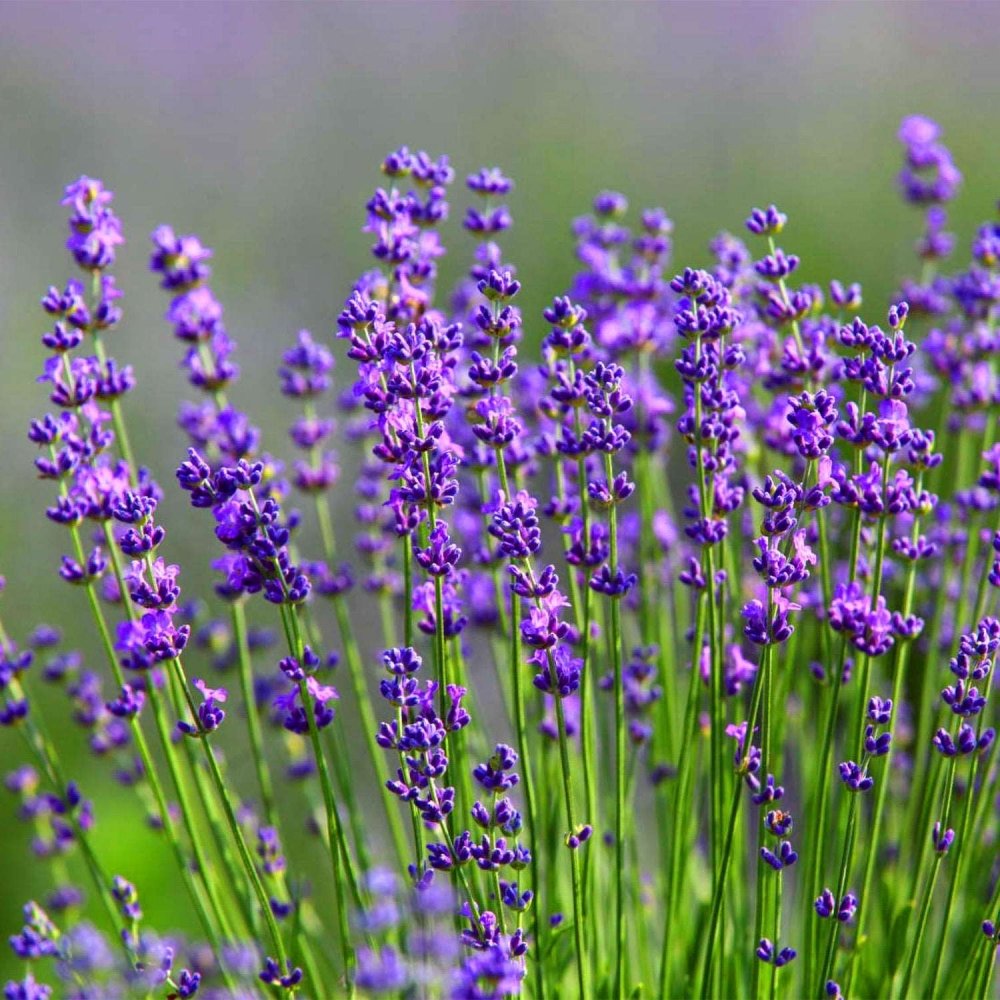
{"type": "Point", "coordinates": [527, 772]}
{"type": "Point", "coordinates": [237, 834]}
{"type": "Point", "coordinates": [682, 807]}
{"type": "Point", "coordinates": [938, 858]}
{"type": "Point", "coordinates": [408, 590]}
{"type": "Point", "coordinates": [760, 684]}
{"type": "Point", "coordinates": [335, 831]}
{"type": "Point", "coordinates": [254, 734]}
{"type": "Point", "coordinates": [776, 932]}
{"type": "Point", "coordinates": [845, 869]}
{"type": "Point", "coordinates": [865, 904]}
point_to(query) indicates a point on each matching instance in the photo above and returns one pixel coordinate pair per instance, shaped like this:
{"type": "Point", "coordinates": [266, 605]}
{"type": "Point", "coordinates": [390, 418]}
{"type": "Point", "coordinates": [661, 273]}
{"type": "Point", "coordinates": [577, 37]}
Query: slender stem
{"type": "Point", "coordinates": [881, 792]}
{"type": "Point", "coordinates": [983, 991]}
{"type": "Point", "coordinates": [681, 806]}
{"type": "Point", "coordinates": [776, 932]}
{"type": "Point", "coordinates": [121, 434]}
{"type": "Point", "coordinates": [825, 769]}
{"type": "Point", "coordinates": [766, 750]}
{"type": "Point", "coordinates": [527, 772]}
{"type": "Point", "coordinates": [125, 450]}
{"type": "Point", "coordinates": [759, 686]}
{"type": "Point", "coordinates": [826, 970]}
{"type": "Point", "coordinates": [254, 734]}
{"type": "Point", "coordinates": [578, 929]}
{"type": "Point", "coordinates": [862, 697]}
{"type": "Point", "coordinates": [241, 845]}
{"type": "Point", "coordinates": [713, 923]}
{"type": "Point", "coordinates": [925, 906]}
{"type": "Point", "coordinates": [408, 590]}
{"type": "Point", "coordinates": [338, 843]}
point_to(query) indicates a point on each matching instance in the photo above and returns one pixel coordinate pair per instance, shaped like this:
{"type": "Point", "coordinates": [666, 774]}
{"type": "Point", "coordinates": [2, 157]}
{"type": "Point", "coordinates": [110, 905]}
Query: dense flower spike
{"type": "Point", "coordinates": [196, 317]}
{"type": "Point", "coordinates": [580, 589]}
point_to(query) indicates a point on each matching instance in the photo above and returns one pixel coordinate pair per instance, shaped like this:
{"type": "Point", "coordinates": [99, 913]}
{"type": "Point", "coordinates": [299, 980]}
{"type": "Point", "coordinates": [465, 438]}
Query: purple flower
{"type": "Point", "coordinates": [180, 260]}
{"type": "Point", "coordinates": [963, 699]}
{"type": "Point", "coordinates": [496, 774]}
{"type": "Point", "coordinates": [869, 629]}
{"type": "Point", "coordinates": [766, 222]}
{"type": "Point", "coordinates": [811, 415]}
{"type": "Point", "coordinates": [306, 369]}
{"type": "Point", "coordinates": [488, 974]}
{"type": "Point", "coordinates": [767, 952]}
{"type": "Point", "coordinates": [127, 898]}
{"type": "Point", "coordinates": [875, 744]}
{"type": "Point", "coordinates": [26, 989]}
{"type": "Point", "coordinates": [381, 970]}
{"type": "Point", "coordinates": [152, 639]}
{"type": "Point", "coordinates": [95, 231]}
{"type": "Point", "coordinates": [489, 181]}
{"type": "Point", "coordinates": [613, 583]}
{"type": "Point", "coordinates": [967, 741]}
{"type": "Point", "coordinates": [440, 557]}
{"type": "Point", "coordinates": [826, 906]}
{"type": "Point", "coordinates": [128, 704]}
{"type": "Point", "coordinates": [210, 711]}
{"type": "Point", "coordinates": [777, 822]}
{"type": "Point", "coordinates": [880, 710]}
{"type": "Point", "coordinates": [515, 525]}
{"type": "Point", "coordinates": [929, 175]}
{"type": "Point", "coordinates": [784, 858]}
{"type": "Point", "coordinates": [941, 838]}
{"type": "Point", "coordinates": [769, 791]}
{"type": "Point", "coordinates": [761, 630]}
{"type": "Point", "coordinates": [273, 975]}
{"type": "Point", "coordinates": [855, 776]}
{"type": "Point", "coordinates": [269, 850]}
{"type": "Point", "coordinates": [294, 716]}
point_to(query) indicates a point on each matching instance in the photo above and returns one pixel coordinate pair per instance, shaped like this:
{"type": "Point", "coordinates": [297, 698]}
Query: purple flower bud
{"type": "Point", "coordinates": [766, 222]}
{"type": "Point", "coordinates": [942, 839]}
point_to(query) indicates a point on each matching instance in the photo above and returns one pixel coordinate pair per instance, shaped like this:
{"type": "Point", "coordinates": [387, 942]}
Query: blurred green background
{"type": "Point", "coordinates": [260, 126]}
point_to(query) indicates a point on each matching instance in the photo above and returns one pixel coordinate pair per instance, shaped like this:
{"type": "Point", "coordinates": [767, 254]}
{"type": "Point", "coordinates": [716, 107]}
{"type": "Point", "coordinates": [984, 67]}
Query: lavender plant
{"type": "Point", "coordinates": [676, 678]}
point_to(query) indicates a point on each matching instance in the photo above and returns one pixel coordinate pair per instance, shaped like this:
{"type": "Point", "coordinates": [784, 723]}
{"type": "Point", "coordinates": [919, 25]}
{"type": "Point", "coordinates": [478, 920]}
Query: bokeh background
{"type": "Point", "coordinates": [260, 126]}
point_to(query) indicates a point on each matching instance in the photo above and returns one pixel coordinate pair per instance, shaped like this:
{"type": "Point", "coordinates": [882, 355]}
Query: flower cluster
{"type": "Point", "coordinates": [418, 735]}
{"type": "Point", "coordinates": [254, 532]}
{"type": "Point", "coordinates": [196, 317]}
{"type": "Point", "coordinates": [706, 319]}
